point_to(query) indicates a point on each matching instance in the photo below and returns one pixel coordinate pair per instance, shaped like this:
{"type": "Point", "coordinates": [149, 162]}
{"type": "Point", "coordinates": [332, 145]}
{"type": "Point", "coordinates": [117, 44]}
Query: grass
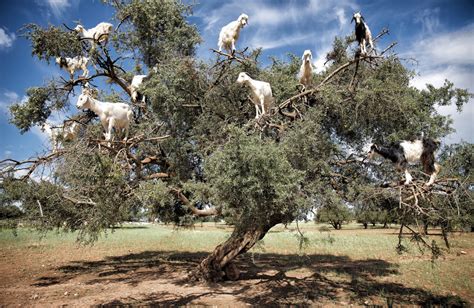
{"type": "Point", "coordinates": [449, 275]}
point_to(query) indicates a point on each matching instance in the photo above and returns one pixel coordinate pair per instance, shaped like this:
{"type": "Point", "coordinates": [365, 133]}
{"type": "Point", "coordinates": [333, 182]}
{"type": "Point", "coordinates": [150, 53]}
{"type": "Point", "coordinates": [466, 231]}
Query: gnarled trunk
{"type": "Point", "coordinates": [217, 266]}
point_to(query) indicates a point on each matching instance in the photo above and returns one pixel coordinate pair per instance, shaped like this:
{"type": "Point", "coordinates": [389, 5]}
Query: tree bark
{"type": "Point", "coordinates": [218, 265]}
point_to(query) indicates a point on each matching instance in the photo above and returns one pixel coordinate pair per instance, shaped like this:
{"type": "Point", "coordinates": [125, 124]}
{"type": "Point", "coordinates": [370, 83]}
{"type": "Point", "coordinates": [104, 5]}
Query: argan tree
{"type": "Point", "coordinates": [195, 149]}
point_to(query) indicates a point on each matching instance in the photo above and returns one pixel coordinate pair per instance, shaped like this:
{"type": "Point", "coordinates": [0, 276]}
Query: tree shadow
{"type": "Point", "coordinates": [268, 279]}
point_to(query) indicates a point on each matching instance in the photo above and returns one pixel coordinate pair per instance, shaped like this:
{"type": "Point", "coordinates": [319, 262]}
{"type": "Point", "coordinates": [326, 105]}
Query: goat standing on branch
{"type": "Point", "coordinates": [116, 116]}
{"type": "Point", "coordinates": [404, 152]}
{"type": "Point", "coordinates": [362, 32]}
{"type": "Point", "coordinates": [230, 34]}
{"type": "Point", "coordinates": [305, 74]}
{"type": "Point", "coordinates": [73, 64]}
{"type": "Point", "coordinates": [99, 33]}
{"type": "Point", "coordinates": [137, 80]}
{"type": "Point", "coordinates": [56, 134]}
{"type": "Point", "coordinates": [261, 93]}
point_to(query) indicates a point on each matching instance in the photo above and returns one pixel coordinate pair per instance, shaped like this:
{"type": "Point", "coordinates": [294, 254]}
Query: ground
{"type": "Point", "coordinates": [149, 264]}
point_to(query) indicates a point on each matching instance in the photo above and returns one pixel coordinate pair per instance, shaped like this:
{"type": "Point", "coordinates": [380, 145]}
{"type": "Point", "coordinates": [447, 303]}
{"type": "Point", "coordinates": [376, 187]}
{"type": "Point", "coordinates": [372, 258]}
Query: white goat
{"type": "Point", "coordinates": [362, 31]}
{"type": "Point", "coordinates": [305, 74]}
{"type": "Point", "coordinates": [116, 116]}
{"type": "Point", "coordinates": [137, 80]}
{"type": "Point", "coordinates": [73, 64]}
{"type": "Point", "coordinates": [230, 34]}
{"type": "Point", "coordinates": [99, 33]}
{"type": "Point", "coordinates": [70, 131]}
{"type": "Point", "coordinates": [53, 133]}
{"type": "Point", "coordinates": [261, 93]}
{"type": "Point", "coordinates": [57, 134]}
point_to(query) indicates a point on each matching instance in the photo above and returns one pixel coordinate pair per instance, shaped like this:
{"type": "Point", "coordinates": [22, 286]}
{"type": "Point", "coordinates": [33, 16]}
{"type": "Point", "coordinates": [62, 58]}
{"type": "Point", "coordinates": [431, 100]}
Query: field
{"type": "Point", "coordinates": [148, 264]}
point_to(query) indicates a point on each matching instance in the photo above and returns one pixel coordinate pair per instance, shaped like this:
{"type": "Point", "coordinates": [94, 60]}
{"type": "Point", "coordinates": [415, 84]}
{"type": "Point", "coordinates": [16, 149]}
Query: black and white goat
{"type": "Point", "coordinates": [362, 32]}
{"type": "Point", "coordinates": [74, 64]}
{"type": "Point", "coordinates": [404, 152]}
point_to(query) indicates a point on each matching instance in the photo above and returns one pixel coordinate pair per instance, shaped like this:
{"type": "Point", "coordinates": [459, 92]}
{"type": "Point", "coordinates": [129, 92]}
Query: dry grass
{"type": "Point", "coordinates": [349, 260]}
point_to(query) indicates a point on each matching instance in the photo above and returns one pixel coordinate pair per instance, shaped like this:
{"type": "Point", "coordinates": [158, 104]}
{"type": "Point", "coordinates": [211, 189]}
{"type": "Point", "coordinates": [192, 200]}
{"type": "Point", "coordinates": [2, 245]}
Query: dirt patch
{"type": "Point", "coordinates": [81, 277]}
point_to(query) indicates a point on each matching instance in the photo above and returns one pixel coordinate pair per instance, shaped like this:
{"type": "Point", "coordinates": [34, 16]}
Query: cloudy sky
{"type": "Point", "coordinates": [438, 34]}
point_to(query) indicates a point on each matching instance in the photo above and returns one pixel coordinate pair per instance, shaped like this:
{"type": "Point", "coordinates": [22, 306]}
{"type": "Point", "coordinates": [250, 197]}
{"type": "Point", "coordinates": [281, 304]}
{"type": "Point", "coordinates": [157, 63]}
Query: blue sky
{"type": "Point", "coordinates": [439, 34]}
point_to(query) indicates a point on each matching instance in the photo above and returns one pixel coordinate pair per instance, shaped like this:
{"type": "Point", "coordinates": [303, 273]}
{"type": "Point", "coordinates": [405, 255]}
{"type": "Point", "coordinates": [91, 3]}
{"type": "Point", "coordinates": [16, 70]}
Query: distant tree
{"type": "Point", "coordinates": [335, 215]}
{"type": "Point", "coordinates": [383, 212]}
{"type": "Point", "coordinates": [195, 149]}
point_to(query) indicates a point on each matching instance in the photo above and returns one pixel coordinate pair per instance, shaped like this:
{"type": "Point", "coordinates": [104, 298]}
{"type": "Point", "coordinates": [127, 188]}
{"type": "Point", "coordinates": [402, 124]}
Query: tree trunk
{"type": "Point", "coordinates": [217, 266]}
{"type": "Point", "coordinates": [365, 225]}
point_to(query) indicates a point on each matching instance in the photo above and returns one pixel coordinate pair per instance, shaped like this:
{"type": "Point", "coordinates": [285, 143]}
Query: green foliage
{"type": "Point", "coordinates": [52, 42]}
{"type": "Point", "coordinates": [335, 214]}
{"type": "Point", "coordinates": [215, 154]}
{"type": "Point", "coordinates": [252, 180]}
{"type": "Point", "coordinates": [41, 101]}
{"type": "Point", "coordinates": [158, 29]}
{"type": "Point", "coordinates": [445, 95]}
{"type": "Point", "coordinates": [10, 212]}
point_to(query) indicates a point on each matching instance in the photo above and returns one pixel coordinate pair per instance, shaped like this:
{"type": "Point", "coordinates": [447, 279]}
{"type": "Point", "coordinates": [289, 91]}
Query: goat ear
{"type": "Point", "coordinates": [362, 17]}
{"type": "Point", "coordinates": [352, 20]}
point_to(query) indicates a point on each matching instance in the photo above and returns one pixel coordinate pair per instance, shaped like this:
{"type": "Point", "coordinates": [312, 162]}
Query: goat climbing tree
{"type": "Point", "coordinates": [195, 149]}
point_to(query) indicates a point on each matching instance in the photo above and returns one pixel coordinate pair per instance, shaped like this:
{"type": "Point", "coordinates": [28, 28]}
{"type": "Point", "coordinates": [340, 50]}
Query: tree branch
{"type": "Point", "coordinates": [197, 212]}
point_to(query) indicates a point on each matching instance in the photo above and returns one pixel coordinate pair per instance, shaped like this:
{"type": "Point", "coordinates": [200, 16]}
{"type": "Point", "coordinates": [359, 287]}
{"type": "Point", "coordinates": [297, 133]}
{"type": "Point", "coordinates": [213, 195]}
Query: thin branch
{"type": "Point", "coordinates": [212, 211]}
{"type": "Point", "coordinates": [85, 202]}
{"type": "Point", "coordinates": [231, 56]}
{"type": "Point", "coordinates": [158, 175]}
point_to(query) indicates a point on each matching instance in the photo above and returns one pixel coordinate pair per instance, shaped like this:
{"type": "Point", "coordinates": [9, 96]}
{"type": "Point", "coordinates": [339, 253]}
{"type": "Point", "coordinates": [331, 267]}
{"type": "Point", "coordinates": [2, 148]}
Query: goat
{"type": "Point", "coordinates": [73, 64]}
{"type": "Point", "coordinates": [230, 33]}
{"type": "Point", "coordinates": [137, 80]}
{"type": "Point", "coordinates": [53, 133]}
{"type": "Point", "coordinates": [111, 115]}
{"type": "Point", "coordinates": [261, 93]}
{"type": "Point", "coordinates": [70, 131]}
{"type": "Point", "coordinates": [305, 74]}
{"type": "Point", "coordinates": [362, 32]}
{"type": "Point", "coordinates": [57, 134]}
{"type": "Point", "coordinates": [99, 33]}
{"type": "Point", "coordinates": [404, 152]}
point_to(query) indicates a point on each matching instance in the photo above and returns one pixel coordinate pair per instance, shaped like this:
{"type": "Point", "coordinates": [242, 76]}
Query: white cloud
{"type": "Point", "coordinates": [267, 42]}
{"type": "Point", "coordinates": [42, 135]}
{"type": "Point", "coordinates": [448, 55]}
{"type": "Point", "coordinates": [6, 40]}
{"type": "Point", "coordinates": [429, 19]}
{"type": "Point", "coordinates": [310, 23]}
{"type": "Point", "coordinates": [6, 99]}
{"type": "Point", "coordinates": [12, 96]}
{"type": "Point", "coordinates": [341, 17]}
{"type": "Point", "coordinates": [446, 48]}
{"type": "Point", "coordinates": [58, 6]}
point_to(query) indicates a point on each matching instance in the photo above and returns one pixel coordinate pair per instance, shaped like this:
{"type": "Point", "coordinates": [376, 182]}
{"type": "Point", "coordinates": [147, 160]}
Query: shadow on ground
{"type": "Point", "coordinates": [267, 280]}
